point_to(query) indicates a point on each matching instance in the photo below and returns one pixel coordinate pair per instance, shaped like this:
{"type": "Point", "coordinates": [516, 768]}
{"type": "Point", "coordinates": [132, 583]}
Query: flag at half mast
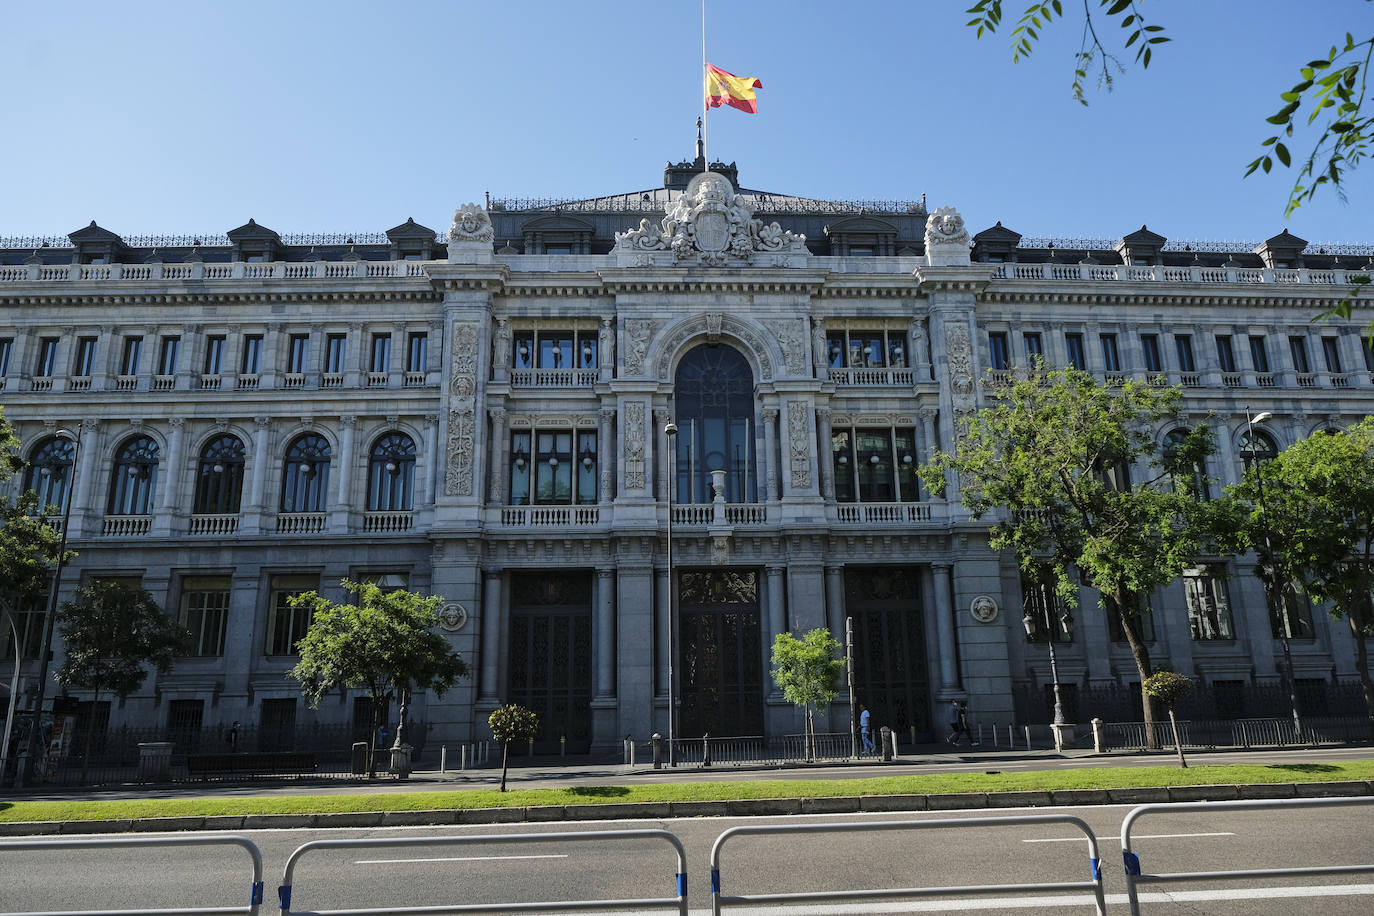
{"type": "Point", "coordinates": [724, 88]}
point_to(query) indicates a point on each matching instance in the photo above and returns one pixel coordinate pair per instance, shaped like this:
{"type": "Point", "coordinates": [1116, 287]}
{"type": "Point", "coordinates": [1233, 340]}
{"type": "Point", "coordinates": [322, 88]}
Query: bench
{"type": "Point", "coordinates": [271, 763]}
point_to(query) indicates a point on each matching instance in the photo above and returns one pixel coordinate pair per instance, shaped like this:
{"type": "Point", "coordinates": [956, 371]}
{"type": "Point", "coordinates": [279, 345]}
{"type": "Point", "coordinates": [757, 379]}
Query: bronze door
{"type": "Point", "coordinates": [721, 671]}
{"type": "Point", "coordinates": [890, 672]}
{"type": "Point", "coordinates": [550, 669]}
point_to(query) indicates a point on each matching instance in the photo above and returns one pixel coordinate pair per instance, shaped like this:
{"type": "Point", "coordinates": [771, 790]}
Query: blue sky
{"type": "Point", "coordinates": [351, 117]}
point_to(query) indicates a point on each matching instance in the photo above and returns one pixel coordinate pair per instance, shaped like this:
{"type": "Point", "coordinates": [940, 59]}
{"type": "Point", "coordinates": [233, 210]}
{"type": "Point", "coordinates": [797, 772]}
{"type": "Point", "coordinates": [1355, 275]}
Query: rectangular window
{"type": "Point", "coordinates": [167, 359]}
{"type": "Point", "coordinates": [1034, 346]}
{"type": "Point", "coordinates": [1149, 350]}
{"type": "Point", "coordinates": [1259, 353]}
{"type": "Point", "coordinates": [47, 358]}
{"type": "Point", "coordinates": [1331, 352]}
{"type": "Point", "coordinates": [205, 613]}
{"type": "Point", "coordinates": [386, 581]}
{"type": "Point", "coordinates": [997, 351]}
{"type": "Point", "coordinates": [553, 460]}
{"type": "Point", "coordinates": [252, 354]}
{"type": "Point", "coordinates": [334, 347]}
{"type": "Point", "coordinates": [184, 721]}
{"type": "Point", "coordinates": [381, 353]}
{"type": "Point", "coordinates": [277, 729]}
{"type": "Point", "coordinates": [287, 625]}
{"type": "Point", "coordinates": [85, 357]}
{"type": "Point", "coordinates": [6, 351]}
{"type": "Point", "coordinates": [1144, 619]}
{"type": "Point", "coordinates": [865, 349]}
{"type": "Point", "coordinates": [1111, 354]}
{"type": "Point", "coordinates": [520, 469]}
{"type": "Point", "coordinates": [133, 347]}
{"type": "Point", "coordinates": [1226, 354]}
{"type": "Point", "coordinates": [1209, 610]}
{"type": "Point", "coordinates": [1183, 344]}
{"type": "Point", "coordinates": [875, 465]}
{"type": "Point", "coordinates": [1074, 342]}
{"type": "Point", "coordinates": [417, 353]}
{"type": "Point", "coordinates": [1296, 622]}
{"type": "Point", "coordinates": [1050, 615]}
{"type": "Point", "coordinates": [214, 354]}
{"type": "Point", "coordinates": [298, 354]}
{"type": "Point", "coordinates": [1298, 346]}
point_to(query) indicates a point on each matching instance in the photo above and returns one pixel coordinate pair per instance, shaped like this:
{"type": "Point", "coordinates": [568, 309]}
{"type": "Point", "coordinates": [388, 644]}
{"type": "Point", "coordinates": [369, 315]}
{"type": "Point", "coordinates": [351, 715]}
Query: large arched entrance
{"type": "Point", "coordinates": [718, 609]}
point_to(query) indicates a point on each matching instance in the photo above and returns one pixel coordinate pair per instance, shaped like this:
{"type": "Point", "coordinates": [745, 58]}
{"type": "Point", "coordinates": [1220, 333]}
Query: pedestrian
{"type": "Point", "coordinates": [963, 723]}
{"type": "Point", "coordinates": [956, 716]}
{"type": "Point", "coordinates": [234, 736]}
{"type": "Point", "coordinates": [864, 729]}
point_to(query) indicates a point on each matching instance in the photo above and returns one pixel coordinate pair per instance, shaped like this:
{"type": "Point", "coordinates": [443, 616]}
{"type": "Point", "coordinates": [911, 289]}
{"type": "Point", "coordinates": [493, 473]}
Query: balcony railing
{"type": "Point", "coordinates": [886, 375]}
{"type": "Point", "coordinates": [1187, 274]}
{"type": "Point", "coordinates": [388, 522]}
{"type": "Point", "coordinates": [300, 522]}
{"type": "Point", "coordinates": [198, 270]}
{"type": "Point", "coordinates": [693, 514]}
{"type": "Point", "coordinates": [126, 525]}
{"type": "Point", "coordinates": [553, 378]}
{"type": "Point", "coordinates": [214, 524]}
{"type": "Point", "coordinates": [881, 513]}
{"type": "Point", "coordinates": [550, 516]}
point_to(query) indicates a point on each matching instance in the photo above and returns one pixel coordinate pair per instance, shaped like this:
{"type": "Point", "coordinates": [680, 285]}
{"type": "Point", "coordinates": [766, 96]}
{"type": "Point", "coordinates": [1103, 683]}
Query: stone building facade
{"type": "Point", "coordinates": [481, 416]}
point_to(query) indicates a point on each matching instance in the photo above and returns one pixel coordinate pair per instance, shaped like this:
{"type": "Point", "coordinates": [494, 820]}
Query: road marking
{"type": "Point", "coordinates": [1148, 836]}
{"type": "Point", "coordinates": [456, 859]}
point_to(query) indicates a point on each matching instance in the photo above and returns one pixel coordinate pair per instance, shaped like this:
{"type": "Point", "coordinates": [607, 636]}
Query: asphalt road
{"type": "Point", "coordinates": [856, 858]}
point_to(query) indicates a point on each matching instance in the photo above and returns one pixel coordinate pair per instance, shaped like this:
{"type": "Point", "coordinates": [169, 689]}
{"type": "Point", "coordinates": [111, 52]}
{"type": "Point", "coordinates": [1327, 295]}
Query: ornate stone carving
{"type": "Point", "coordinates": [696, 327]}
{"type": "Point", "coordinates": [713, 322]}
{"type": "Point", "coordinates": [176, 423]}
{"type": "Point", "coordinates": [638, 331]}
{"type": "Point", "coordinates": [501, 353]}
{"type": "Point", "coordinates": [458, 481]}
{"type": "Point", "coordinates": [634, 445]}
{"type": "Point", "coordinates": [471, 224]}
{"type": "Point", "coordinates": [798, 428]}
{"type": "Point", "coordinates": [819, 357]}
{"type": "Point", "coordinates": [710, 224]}
{"type": "Point", "coordinates": [960, 354]}
{"type": "Point", "coordinates": [463, 382]}
{"type": "Point", "coordinates": [605, 343]}
{"type": "Point", "coordinates": [947, 241]}
{"type": "Point", "coordinates": [790, 334]}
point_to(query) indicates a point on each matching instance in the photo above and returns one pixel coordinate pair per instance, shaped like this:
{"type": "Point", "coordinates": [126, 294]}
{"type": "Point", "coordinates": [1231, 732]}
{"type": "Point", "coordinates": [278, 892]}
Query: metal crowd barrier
{"type": "Point", "coordinates": [1135, 877]}
{"type": "Point", "coordinates": [719, 900]}
{"type": "Point", "coordinates": [254, 890]}
{"type": "Point", "coordinates": [678, 902]}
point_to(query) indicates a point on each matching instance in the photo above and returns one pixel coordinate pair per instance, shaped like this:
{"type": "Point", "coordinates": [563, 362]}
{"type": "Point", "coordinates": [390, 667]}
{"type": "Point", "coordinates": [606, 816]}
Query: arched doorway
{"type": "Point", "coordinates": [714, 402]}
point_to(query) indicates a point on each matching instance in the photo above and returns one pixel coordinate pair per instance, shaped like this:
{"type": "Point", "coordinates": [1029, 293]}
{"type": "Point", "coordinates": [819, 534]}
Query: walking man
{"type": "Point", "coordinates": [956, 719]}
{"type": "Point", "coordinates": [863, 729]}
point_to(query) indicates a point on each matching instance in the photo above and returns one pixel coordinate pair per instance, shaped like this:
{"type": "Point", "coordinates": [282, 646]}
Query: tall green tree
{"type": "Point", "coordinates": [1316, 526]}
{"type": "Point", "coordinates": [1055, 456]}
{"type": "Point", "coordinates": [385, 644]}
{"type": "Point", "coordinates": [512, 722]}
{"type": "Point", "coordinates": [110, 632]}
{"type": "Point", "coordinates": [807, 671]}
{"type": "Point", "coordinates": [28, 551]}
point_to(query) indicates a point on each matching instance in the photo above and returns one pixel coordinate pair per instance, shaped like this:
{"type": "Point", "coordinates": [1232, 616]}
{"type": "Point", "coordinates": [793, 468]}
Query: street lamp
{"type": "Point", "coordinates": [670, 435]}
{"type": "Point", "coordinates": [50, 617]}
{"type": "Point", "coordinates": [1278, 577]}
{"type": "Point", "coordinates": [1046, 621]}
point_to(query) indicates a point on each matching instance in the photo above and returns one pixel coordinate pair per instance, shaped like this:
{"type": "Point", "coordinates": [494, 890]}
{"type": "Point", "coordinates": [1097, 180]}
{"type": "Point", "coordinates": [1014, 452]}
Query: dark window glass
{"type": "Point", "coordinates": [1190, 475]}
{"type": "Point", "coordinates": [85, 357]}
{"type": "Point", "coordinates": [49, 473]}
{"type": "Point", "coordinates": [381, 353]}
{"type": "Point", "coordinates": [997, 350]}
{"type": "Point", "coordinates": [1149, 350]}
{"type": "Point", "coordinates": [214, 355]}
{"type": "Point", "coordinates": [1050, 615]}
{"type": "Point", "coordinates": [1111, 355]}
{"type": "Point", "coordinates": [133, 348]}
{"type": "Point", "coordinates": [335, 346]}
{"type": "Point", "coordinates": [417, 353]}
{"type": "Point", "coordinates": [585, 484]}
{"type": "Point", "coordinates": [47, 358]}
{"type": "Point", "coordinates": [1331, 352]}
{"type": "Point", "coordinates": [219, 477]}
{"type": "Point", "coordinates": [520, 468]}
{"type": "Point", "coordinates": [1298, 346]}
{"type": "Point", "coordinates": [252, 354]}
{"type": "Point", "coordinates": [205, 613]}
{"type": "Point", "coordinates": [715, 418]}
{"type": "Point", "coordinates": [1183, 344]}
{"type": "Point", "coordinates": [134, 478]}
{"type": "Point", "coordinates": [298, 353]}
{"type": "Point", "coordinates": [1077, 358]}
{"type": "Point", "coordinates": [1259, 353]}
{"type": "Point", "coordinates": [6, 351]}
{"type": "Point", "coordinates": [287, 625]}
{"type": "Point", "coordinates": [1226, 354]}
{"type": "Point", "coordinates": [305, 476]}
{"type": "Point", "coordinates": [842, 457]}
{"type": "Point", "coordinates": [167, 359]}
{"type": "Point", "coordinates": [553, 467]}
{"type": "Point", "coordinates": [1209, 608]}
{"type": "Point", "coordinates": [1034, 346]}
{"type": "Point", "coordinates": [391, 474]}
{"type": "Point", "coordinates": [1257, 446]}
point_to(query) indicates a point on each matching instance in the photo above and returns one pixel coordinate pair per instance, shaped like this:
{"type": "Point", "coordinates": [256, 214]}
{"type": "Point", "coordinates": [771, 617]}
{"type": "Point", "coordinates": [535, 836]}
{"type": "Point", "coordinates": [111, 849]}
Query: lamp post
{"type": "Point", "coordinates": [50, 616]}
{"type": "Point", "coordinates": [670, 435]}
{"type": "Point", "coordinates": [1046, 621]}
{"type": "Point", "coordinates": [1277, 575]}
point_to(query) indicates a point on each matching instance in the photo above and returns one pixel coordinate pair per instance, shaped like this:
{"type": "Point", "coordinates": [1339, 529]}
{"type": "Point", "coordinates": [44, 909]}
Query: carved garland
{"type": "Point", "coordinates": [634, 445]}
{"type": "Point", "coordinates": [461, 434]}
{"type": "Point", "coordinates": [798, 427]}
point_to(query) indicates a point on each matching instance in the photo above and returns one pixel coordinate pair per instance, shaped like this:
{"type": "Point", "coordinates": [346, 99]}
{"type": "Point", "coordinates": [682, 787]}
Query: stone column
{"type": "Point", "coordinates": [944, 627]}
{"type": "Point", "coordinates": [81, 508]}
{"type": "Point", "coordinates": [770, 445]}
{"type": "Point", "coordinates": [343, 476]}
{"type": "Point", "coordinates": [777, 614]}
{"type": "Point", "coordinates": [929, 443]}
{"type": "Point", "coordinates": [257, 480]}
{"type": "Point", "coordinates": [431, 461]}
{"type": "Point", "coordinates": [604, 453]}
{"type": "Point", "coordinates": [170, 507]}
{"type": "Point", "coordinates": [636, 657]}
{"type": "Point", "coordinates": [489, 691]}
{"type": "Point", "coordinates": [834, 601]}
{"type": "Point", "coordinates": [605, 632]}
{"type": "Point", "coordinates": [271, 361]}
{"type": "Point", "coordinates": [499, 444]}
{"type": "Point", "coordinates": [823, 457]}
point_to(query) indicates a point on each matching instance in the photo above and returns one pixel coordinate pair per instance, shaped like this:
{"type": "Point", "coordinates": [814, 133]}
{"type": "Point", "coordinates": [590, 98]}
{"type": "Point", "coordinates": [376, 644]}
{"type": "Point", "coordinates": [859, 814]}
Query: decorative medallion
{"type": "Point", "coordinates": [453, 617]}
{"type": "Point", "coordinates": [983, 609]}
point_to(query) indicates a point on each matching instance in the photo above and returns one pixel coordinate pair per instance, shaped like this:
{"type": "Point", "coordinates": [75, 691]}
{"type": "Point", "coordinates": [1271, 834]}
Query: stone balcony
{"type": "Point", "coordinates": [1190, 274]}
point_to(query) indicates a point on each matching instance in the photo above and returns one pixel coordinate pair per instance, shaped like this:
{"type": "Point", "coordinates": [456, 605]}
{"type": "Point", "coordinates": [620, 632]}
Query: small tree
{"type": "Point", "coordinates": [512, 722]}
{"type": "Point", "coordinates": [383, 644]}
{"type": "Point", "coordinates": [28, 550]}
{"type": "Point", "coordinates": [1168, 687]}
{"type": "Point", "coordinates": [109, 632]}
{"type": "Point", "coordinates": [808, 674]}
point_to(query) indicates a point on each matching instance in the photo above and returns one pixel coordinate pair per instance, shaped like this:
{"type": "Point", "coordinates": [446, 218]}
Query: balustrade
{"type": "Point", "coordinates": [214, 524]}
{"type": "Point", "coordinates": [550, 516]}
{"type": "Point", "coordinates": [882, 513]}
{"type": "Point", "coordinates": [126, 525]}
{"type": "Point", "coordinates": [553, 378]}
{"type": "Point", "coordinates": [872, 376]}
{"type": "Point", "coordinates": [300, 522]}
{"type": "Point", "coordinates": [387, 522]}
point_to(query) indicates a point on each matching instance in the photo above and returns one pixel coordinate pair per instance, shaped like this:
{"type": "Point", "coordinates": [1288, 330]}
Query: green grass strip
{"type": "Point", "coordinates": [932, 784]}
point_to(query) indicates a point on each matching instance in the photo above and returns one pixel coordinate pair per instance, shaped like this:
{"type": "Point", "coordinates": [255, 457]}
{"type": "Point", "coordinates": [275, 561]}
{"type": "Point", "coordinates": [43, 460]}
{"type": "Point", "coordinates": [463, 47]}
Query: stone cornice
{"type": "Point", "coordinates": [973, 278]}
{"type": "Point", "coordinates": [1159, 294]}
{"type": "Point", "coordinates": [774, 280]}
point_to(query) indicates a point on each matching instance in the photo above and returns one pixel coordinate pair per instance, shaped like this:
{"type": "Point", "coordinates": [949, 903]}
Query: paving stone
{"type": "Point", "coordinates": [893, 802]}
{"type": "Point", "coordinates": [957, 801]}
{"type": "Point", "coordinates": [1203, 793]}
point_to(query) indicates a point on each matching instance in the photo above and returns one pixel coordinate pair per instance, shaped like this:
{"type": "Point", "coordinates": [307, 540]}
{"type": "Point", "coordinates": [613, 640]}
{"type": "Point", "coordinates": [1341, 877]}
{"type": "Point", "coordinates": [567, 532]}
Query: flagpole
{"type": "Point", "coordinates": [705, 106]}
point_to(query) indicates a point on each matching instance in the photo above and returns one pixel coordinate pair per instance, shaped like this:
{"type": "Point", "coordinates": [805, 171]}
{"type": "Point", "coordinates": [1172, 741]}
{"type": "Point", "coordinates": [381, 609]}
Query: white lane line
{"type": "Point", "coordinates": [1149, 836]}
{"type": "Point", "coordinates": [1047, 903]}
{"type": "Point", "coordinates": [456, 859]}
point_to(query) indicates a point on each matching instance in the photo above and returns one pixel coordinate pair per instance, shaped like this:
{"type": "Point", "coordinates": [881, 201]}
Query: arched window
{"type": "Point", "coordinates": [1184, 471]}
{"type": "Point", "coordinates": [305, 476]}
{"type": "Point", "coordinates": [134, 477]}
{"type": "Point", "coordinates": [1257, 446]}
{"type": "Point", "coordinates": [714, 395]}
{"type": "Point", "coordinates": [391, 474]}
{"type": "Point", "coordinates": [50, 471]}
{"type": "Point", "coordinates": [219, 477]}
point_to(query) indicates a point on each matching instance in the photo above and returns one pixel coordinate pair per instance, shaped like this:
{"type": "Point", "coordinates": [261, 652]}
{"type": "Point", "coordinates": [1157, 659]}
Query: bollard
{"type": "Point", "coordinates": [1098, 736]}
{"type": "Point", "coordinates": [443, 758]}
{"type": "Point", "coordinates": [562, 746]}
{"type": "Point", "coordinates": [913, 735]}
{"type": "Point", "coordinates": [658, 751]}
{"type": "Point", "coordinates": [462, 757]}
{"type": "Point", "coordinates": [706, 750]}
{"type": "Point", "coordinates": [895, 755]}
{"type": "Point", "coordinates": [632, 749]}
{"type": "Point", "coordinates": [885, 736]}
{"type": "Point", "coordinates": [1027, 729]}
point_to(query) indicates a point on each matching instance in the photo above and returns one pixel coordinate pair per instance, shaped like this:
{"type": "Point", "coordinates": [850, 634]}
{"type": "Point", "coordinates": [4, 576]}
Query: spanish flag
{"type": "Point", "coordinates": [724, 88]}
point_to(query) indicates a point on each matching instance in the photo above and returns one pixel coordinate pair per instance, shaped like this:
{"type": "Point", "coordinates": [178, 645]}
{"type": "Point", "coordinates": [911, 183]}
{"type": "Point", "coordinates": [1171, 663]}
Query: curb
{"type": "Point", "coordinates": [752, 807]}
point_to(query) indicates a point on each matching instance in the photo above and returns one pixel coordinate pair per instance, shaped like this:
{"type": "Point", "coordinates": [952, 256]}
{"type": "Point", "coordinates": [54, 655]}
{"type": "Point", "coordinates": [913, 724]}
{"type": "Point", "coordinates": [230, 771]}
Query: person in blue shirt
{"type": "Point", "coordinates": [863, 729]}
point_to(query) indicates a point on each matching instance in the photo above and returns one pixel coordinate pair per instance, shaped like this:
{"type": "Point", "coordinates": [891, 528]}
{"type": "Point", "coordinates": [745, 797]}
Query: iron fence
{"type": "Point", "coordinates": [1214, 699]}
{"type": "Point", "coordinates": [1237, 733]}
{"type": "Point", "coordinates": [753, 749]}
